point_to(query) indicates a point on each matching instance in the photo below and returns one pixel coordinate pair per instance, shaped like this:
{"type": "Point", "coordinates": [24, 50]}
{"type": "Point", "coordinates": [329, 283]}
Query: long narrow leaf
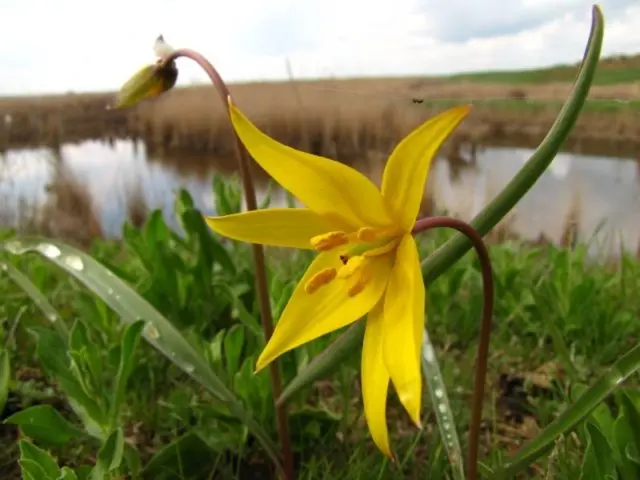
{"type": "Point", "coordinates": [38, 298]}
{"type": "Point", "coordinates": [588, 401]}
{"type": "Point", "coordinates": [132, 307]}
{"type": "Point", "coordinates": [441, 407]}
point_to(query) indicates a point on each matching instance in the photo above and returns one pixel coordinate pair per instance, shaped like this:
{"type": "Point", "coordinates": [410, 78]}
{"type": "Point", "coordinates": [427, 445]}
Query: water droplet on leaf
{"type": "Point", "coordinates": [74, 262]}
{"type": "Point", "coordinates": [428, 353]}
{"type": "Point", "coordinates": [152, 332]}
{"type": "Point", "coordinates": [189, 368]}
{"type": "Point", "coordinates": [15, 247]}
{"type": "Point", "coordinates": [48, 250]}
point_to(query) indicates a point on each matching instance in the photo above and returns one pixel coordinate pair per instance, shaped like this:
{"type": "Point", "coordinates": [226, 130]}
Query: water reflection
{"type": "Point", "coordinates": [600, 195]}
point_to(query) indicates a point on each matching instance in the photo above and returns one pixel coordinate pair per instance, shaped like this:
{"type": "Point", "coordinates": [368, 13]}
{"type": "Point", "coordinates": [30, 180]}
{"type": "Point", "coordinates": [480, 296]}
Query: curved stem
{"type": "Point", "coordinates": [258, 256]}
{"type": "Point", "coordinates": [485, 329]}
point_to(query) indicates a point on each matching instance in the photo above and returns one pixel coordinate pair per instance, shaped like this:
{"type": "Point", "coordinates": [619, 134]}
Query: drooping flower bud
{"type": "Point", "coordinates": [150, 81]}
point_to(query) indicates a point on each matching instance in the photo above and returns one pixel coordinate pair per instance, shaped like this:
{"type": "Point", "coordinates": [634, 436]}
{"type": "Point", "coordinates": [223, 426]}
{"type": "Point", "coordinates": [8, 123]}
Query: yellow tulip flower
{"type": "Point", "coordinates": [367, 262]}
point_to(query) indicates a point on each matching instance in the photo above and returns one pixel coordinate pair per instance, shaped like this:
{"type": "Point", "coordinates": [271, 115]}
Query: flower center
{"type": "Point", "coordinates": [356, 271]}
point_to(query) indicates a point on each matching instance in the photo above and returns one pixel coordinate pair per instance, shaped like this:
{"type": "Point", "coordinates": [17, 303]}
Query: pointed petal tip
{"type": "Point", "coordinates": [261, 363]}
{"type": "Point", "coordinates": [386, 450]}
{"type": "Point", "coordinates": [464, 109]}
{"type": "Point", "coordinates": [412, 405]}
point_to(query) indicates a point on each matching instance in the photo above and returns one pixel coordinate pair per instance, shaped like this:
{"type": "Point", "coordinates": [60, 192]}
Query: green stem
{"type": "Point", "coordinates": [262, 288]}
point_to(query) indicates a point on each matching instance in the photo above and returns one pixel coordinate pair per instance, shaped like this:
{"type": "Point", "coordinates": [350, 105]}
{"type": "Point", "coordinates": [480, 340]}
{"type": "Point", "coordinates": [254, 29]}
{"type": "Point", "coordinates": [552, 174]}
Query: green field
{"type": "Point", "coordinates": [560, 320]}
{"type": "Point", "coordinates": [611, 71]}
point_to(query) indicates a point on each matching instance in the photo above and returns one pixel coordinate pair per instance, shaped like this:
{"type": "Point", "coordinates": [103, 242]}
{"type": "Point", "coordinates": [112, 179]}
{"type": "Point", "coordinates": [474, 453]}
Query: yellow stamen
{"type": "Point", "coordinates": [370, 234]}
{"type": "Point", "coordinates": [367, 234]}
{"type": "Point", "coordinates": [386, 248]}
{"type": "Point", "coordinates": [352, 266]}
{"type": "Point", "coordinates": [362, 282]}
{"type": "Point", "coordinates": [321, 278]}
{"type": "Point", "coordinates": [328, 241]}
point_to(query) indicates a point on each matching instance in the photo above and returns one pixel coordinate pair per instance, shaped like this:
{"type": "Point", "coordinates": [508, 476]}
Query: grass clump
{"type": "Point", "coordinates": [561, 318]}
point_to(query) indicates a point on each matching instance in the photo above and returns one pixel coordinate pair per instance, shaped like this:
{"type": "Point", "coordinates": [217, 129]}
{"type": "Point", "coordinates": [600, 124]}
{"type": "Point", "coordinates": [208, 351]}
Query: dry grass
{"type": "Point", "coordinates": [344, 119]}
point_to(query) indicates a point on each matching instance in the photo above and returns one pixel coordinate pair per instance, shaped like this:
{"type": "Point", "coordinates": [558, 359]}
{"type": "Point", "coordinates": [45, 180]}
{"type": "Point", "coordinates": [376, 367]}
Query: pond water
{"type": "Point", "coordinates": [601, 195]}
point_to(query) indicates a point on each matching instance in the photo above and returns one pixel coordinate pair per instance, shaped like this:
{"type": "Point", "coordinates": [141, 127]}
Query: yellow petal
{"type": "Point", "coordinates": [281, 227]}
{"type": "Point", "coordinates": [325, 186]}
{"type": "Point", "coordinates": [404, 326]}
{"type": "Point", "coordinates": [375, 380]}
{"type": "Point", "coordinates": [309, 316]}
{"type": "Point", "coordinates": [405, 175]}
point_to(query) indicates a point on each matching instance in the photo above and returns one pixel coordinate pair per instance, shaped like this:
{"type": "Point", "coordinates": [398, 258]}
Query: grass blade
{"type": "Point", "coordinates": [38, 298]}
{"type": "Point", "coordinates": [5, 377]}
{"type": "Point", "coordinates": [132, 307]}
{"type": "Point", "coordinates": [588, 401]}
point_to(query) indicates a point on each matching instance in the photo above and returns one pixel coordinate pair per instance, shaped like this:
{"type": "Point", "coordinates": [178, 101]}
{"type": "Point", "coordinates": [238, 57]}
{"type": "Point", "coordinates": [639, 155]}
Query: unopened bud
{"type": "Point", "coordinates": [149, 82]}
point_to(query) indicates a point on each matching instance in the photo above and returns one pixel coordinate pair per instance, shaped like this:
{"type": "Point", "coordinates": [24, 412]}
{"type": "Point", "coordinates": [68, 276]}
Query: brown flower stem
{"type": "Point", "coordinates": [485, 329]}
{"type": "Point", "coordinates": [242, 155]}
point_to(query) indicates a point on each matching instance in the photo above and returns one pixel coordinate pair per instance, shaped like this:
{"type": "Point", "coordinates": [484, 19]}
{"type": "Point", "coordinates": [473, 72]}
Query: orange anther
{"type": "Point", "coordinates": [321, 278]}
{"type": "Point", "coordinates": [328, 241]}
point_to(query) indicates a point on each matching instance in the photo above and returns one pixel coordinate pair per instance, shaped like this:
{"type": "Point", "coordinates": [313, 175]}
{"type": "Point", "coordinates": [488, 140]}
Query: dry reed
{"type": "Point", "coordinates": [343, 119]}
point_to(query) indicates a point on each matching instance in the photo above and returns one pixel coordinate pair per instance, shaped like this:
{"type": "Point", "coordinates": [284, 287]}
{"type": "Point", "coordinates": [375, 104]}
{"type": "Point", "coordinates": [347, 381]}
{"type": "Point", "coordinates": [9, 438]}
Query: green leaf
{"type": "Point", "coordinates": [622, 439]}
{"type": "Point", "coordinates": [67, 474]}
{"type": "Point", "coordinates": [84, 472]}
{"type": "Point", "coordinates": [186, 456]}
{"type": "Point", "coordinates": [86, 362]}
{"type": "Point", "coordinates": [5, 377]}
{"type": "Point", "coordinates": [36, 295]}
{"type": "Point", "coordinates": [266, 201]}
{"type": "Point", "coordinates": [132, 457]}
{"type": "Point", "coordinates": [233, 343]}
{"type": "Point", "coordinates": [53, 354]}
{"type": "Point", "coordinates": [159, 331]}
{"type": "Point", "coordinates": [210, 249]}
{"type": "Point", "coordinates": [632, 415]}
{"type": "Point", "coordinates": [239, 310]}
{"type": "Point", "coordinates": [227, 194]}
{"type": "Point", "coordinates": [130, 341]}
{"type": "Point", "coordinates": [598, 459]}
{"type": "Point", "coordinates": [454, 249]}
{"type": "Point", "coordinates": [570, 418]}
{"type": "Point", "coordinates": [110, 455]}
{"type": "Point", "coordinates": [37, 464]}
{"type": "Point", "coordinates": [184, 200]}
{"type": "Point", "coordinates": [45, 424]}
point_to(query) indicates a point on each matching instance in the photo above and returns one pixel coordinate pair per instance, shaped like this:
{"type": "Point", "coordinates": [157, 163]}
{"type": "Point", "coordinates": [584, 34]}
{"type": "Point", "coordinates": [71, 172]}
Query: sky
{"type": "Point", "coordinates": [80, 45]}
